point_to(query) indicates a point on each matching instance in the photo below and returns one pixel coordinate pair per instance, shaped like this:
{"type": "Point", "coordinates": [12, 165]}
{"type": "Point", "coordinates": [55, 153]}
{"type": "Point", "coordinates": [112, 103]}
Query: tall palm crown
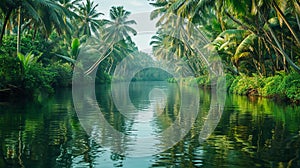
{"type": "Point", "coordinates": [89, 17]}
{"type": "Point", "coordinates": [41, 14]}
{"type": "Point", "coordinates": [116, 40]}
{"type": "Point", "coordinates": [118, 28]}
{"type": "Point", "coordinates": [52, 14]}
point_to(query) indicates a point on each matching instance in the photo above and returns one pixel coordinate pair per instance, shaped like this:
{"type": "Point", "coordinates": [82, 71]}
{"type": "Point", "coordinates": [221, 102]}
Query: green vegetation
{"type": "Point", "coordinates": [253, 44]}
{"type": "Point", "coordinates": [38, 52]}
{"type": "Point", "coordinates": [152, 74]}
{"type": "Point", "coordinates": [280, 86]}
{"type": "Point", "coordinates": [257, 41]}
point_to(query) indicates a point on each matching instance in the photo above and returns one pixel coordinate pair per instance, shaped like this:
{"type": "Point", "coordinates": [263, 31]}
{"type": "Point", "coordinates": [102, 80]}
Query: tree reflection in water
{"type": "Point", "coordinates": [252, 132]}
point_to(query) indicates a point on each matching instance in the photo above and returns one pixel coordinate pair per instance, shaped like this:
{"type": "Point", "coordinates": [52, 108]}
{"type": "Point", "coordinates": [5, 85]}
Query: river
{"type": "Point", "coordinates": [252, 132]}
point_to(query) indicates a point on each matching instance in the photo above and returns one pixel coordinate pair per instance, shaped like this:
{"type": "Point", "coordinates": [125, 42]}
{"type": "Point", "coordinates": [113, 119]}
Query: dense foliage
{"type": "Point", "coordinates": [251, 37]}
{"type": "Point", "coordinates": [256, 40]}
{"type": "Point", "coordinates": [38, 52]}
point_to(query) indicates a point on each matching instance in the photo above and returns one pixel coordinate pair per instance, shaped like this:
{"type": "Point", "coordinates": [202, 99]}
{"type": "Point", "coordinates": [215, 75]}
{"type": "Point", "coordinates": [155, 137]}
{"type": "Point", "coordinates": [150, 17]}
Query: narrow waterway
{"type": "Point", "coordinates": [252, 132]}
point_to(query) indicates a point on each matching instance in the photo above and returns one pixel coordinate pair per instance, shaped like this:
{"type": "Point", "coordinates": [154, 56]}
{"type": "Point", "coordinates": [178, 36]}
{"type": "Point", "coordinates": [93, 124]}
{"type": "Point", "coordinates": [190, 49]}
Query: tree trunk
{"type": "Point", "coordinates": [284, 60]}
{"type": "Point", "coordinates": [110, 68]}
{"type": "Point", "coordinates": [95, 65]}
{"type": "Point", "coordinates": [34, 33]}
{"type": "Point", "coordinates": [297, 68]}
{"type": "Point", "coordinates": [19, 31]}
{"type": "Point", "coordinates": [245, 27]}
{"type": "Point", "coordinates": [286, 22]}
{"type": "Point", "coordinates": [280, 49]}
{"type": "Point", "coordinates": [298, 22]}
{"type": "Point", "coordinates": [4, 25]}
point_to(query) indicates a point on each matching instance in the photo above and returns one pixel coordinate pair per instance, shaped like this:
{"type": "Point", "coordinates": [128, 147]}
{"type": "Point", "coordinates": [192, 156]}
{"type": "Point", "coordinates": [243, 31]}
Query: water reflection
{"type": "Point", "coordinates": [138, 105]}
{"type": "Point", "coordinates": [251, 133]}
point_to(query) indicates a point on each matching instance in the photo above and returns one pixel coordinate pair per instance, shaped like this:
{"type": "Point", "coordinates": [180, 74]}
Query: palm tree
{"type": "Point", "coordinates": [255, 18]}
{"type": "Point", "coordinates": [163, 10]}
{"type": "Point", "coordinates": [118, 28]}
{"type": "Point", "coordinates": [71, 6]}
{"type": "Point", "coordinates": [41, 14]}
{"type": "Point", "coordinates": [47, 16]}
{"type": "Point", "coordinates": [157, 43]}
{"type": "Point", "coordinates": [89, 18]}
{"type": "Point", "coordinates": [116, 37]}
{"type": "Point", "coordinates": [7, 7]}
{"type": "Point", "coordinates": [182, 42]}
{"type": "Point", "coordinates": [281, 7]}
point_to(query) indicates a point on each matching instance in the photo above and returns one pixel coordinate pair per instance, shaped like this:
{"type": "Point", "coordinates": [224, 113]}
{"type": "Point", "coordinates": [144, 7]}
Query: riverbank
{"type": "Point", "coordinates": [26, 78]}
{"type": "Point", "coordinates": [281, 87]}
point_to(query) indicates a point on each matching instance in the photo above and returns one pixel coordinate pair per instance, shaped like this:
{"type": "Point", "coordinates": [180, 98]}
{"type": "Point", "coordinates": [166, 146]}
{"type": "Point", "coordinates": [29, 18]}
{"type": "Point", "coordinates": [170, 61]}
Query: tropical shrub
{"type": "Point", "coordinates": [28, 45]}
{"type": "Point", "coordinates": [37, 78]}
{"type": "Point", "coordinates": [25, 74]}
{"type": "Point", "coordinates": [102, 77]}
{"type": "Point", "coordinates": [203, 80]}
{"type": "Point", "coordinates": [290, 86]}
{"type": "Point", "coordinates": [227, 80]}
{"type": "Point", "coordinates": [10, 71]}
{"type": "Point", "coordinates": [62, 74]}
{"type": "Point", "coordinates": [171, 80]}
{"type": "Point", "coordinates": [272, 86]}
{"type": "Point", "coordinates": [27, 60]}
{"type": "Point", "coordinates": [244, 85]}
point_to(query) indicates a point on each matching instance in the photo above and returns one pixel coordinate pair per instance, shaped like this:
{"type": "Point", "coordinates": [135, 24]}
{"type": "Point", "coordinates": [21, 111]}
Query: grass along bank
{"type": "Point", "coordinates": [282, 86]}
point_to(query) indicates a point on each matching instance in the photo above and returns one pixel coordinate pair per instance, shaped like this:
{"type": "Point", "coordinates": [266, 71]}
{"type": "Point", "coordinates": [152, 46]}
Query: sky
{"type": "Point", "coordinates": [140, 12]}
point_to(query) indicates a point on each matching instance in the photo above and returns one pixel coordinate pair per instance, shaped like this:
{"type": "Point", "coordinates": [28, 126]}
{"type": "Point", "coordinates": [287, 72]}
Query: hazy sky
{"type": "Point", "coordinates": [140, 10]}
{"type": "Point", "coordinates": [132, 5]}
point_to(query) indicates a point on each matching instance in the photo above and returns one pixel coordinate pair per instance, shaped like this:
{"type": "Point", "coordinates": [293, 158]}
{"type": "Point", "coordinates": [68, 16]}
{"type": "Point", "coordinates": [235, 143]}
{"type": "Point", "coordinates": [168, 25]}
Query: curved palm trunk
{"type": "Point", "coordinates": [276, 7]}
{"type": "Point", "coordinates": [280, 48]}
{"type": "Point", "coordinates": [95, 65]}
{"type": "Point", "coordinates": [4, 25]}
{"type": "Point", "coordinates": [298, 21]}
{"type": "Point", "coordinates": [110, 68]}
{"type": "Point", "coordinates": [288, 59]}
{"type": "Point", "coordinates": [240, 23]}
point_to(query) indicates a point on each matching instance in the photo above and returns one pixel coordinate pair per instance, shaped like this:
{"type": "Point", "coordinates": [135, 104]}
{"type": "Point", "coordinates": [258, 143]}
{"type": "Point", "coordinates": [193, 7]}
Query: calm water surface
{"type": "Point", "coordinates": [252, 132]}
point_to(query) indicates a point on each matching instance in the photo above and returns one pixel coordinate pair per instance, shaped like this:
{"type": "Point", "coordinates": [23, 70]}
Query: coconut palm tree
{"type": "Point", "coordinates": [182, 39]}
{"type": "Point", "coordinates": [40, 14]}
{"type": "Point", "coordinates": [118, 27]}
{"type": "Point", "coordinates": [47, 16]}
{"type": "Point", "coordinates": [257, 47]}
{"type": "Point", "coordinates": [89, 18]}
{"type": "Point", "coordinates": [162, 46]}
{"type": "Point", "coordinates": [116, 39]}
{"type": "Point", "coordinates": [72, 7]}
{"type": "Point", "coordinates": [7, 8]}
